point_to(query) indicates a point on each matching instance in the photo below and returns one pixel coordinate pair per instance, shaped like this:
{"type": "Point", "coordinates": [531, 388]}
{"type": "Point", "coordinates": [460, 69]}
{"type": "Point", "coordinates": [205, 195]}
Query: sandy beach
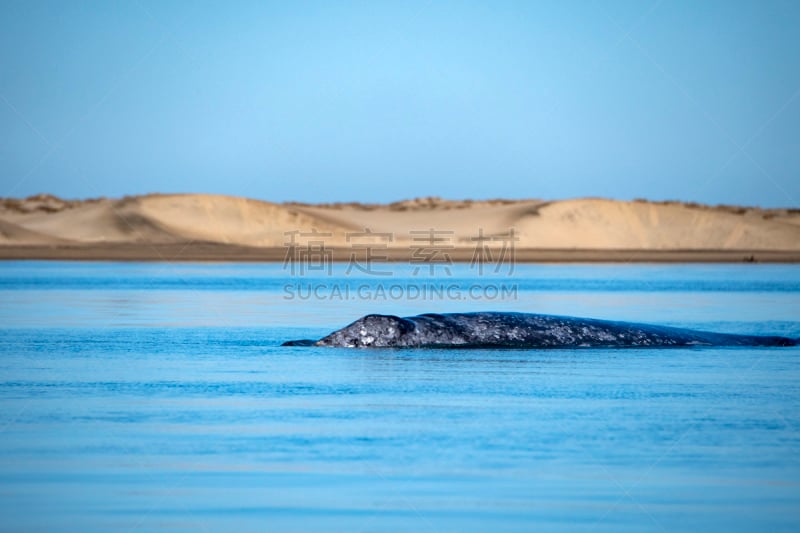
{"type": "Point", "coordinates": [200, 227]}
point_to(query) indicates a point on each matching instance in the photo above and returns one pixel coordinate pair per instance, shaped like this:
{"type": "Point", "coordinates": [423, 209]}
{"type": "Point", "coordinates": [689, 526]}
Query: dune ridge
{"type": "Point", "coordinates": [591, 224]}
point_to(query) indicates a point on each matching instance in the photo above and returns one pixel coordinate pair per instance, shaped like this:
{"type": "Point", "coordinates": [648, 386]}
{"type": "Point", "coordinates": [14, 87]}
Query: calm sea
{"type": "Point", "coordinates": [156, 397]}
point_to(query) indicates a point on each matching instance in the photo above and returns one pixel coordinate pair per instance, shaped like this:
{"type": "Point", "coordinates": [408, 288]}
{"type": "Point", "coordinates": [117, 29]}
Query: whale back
{"type": "Point", "coordinates": [522, 330]}
{"type": "Point", "coordinates": [371, 331]}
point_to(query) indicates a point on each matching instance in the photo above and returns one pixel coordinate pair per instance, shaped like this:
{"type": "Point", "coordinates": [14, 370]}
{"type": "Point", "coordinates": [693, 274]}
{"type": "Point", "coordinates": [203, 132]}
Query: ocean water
{"type": "Point", "coordinates": [156, 397]}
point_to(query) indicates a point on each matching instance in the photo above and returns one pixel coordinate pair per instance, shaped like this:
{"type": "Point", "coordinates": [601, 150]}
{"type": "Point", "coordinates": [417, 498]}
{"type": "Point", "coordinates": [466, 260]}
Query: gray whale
{"type": "Point", "coordinates": [522, 330]}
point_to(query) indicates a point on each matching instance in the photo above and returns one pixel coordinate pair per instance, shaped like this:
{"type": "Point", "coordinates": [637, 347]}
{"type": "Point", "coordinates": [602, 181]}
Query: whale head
{"type": "Point", "coordinates": [371, 330]}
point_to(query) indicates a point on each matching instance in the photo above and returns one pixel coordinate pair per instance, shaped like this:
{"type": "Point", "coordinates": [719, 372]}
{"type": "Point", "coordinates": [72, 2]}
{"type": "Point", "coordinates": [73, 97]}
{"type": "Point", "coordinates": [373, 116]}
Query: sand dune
{"type": "Point", "coordinates": [11, 233]}
{"type": "Point", "coordinates": [167, 218]}
{"type": "Point", "coordinates": [579, 224]}
{"type": "Point", "coordinates": [602, 224]}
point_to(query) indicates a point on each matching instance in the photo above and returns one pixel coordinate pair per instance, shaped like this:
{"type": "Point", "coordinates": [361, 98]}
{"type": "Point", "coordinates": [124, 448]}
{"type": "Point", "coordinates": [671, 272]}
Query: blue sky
{"type": "Point", "coordinates": [380, 101]}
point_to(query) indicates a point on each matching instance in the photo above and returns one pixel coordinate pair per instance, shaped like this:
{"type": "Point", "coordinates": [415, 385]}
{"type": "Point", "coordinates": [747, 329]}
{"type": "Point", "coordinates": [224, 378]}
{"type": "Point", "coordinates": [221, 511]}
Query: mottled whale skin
{"type": "Point", "coordinates": [521, 330]}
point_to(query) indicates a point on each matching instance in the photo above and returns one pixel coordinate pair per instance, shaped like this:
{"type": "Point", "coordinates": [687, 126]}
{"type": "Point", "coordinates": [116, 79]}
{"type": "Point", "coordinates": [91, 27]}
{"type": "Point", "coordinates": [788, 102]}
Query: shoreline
{"type": "Point", "coordinates": [226, 253]}
{"type": "Point", "coordinates": [202, 227]}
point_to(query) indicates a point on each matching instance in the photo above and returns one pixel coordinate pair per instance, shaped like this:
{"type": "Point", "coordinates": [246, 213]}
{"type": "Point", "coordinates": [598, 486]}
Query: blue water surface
{"type": "Point", "coordinates": [150, 397]}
